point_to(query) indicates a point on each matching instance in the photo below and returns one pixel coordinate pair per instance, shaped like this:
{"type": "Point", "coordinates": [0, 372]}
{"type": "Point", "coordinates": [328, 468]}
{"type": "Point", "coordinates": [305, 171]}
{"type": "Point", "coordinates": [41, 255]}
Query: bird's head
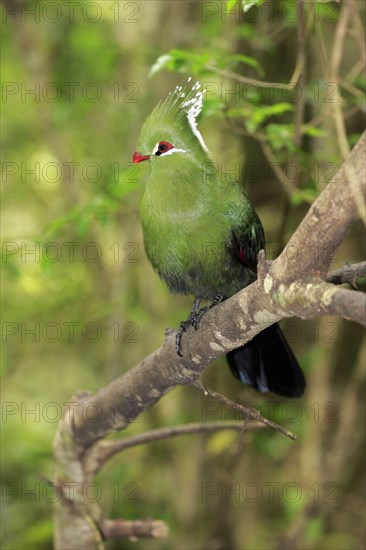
{"type": "Point", "coordinates": [171, 128]}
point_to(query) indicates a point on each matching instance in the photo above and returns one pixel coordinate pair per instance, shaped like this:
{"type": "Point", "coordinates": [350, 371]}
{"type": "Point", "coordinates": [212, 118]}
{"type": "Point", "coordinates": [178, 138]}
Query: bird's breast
{"type": "Point", "coordinates": [187, 248]}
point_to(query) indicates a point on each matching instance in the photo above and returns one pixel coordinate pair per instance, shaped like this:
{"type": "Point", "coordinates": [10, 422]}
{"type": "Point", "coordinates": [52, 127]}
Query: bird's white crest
{"type": "Point", "coordinates": [192, 107]}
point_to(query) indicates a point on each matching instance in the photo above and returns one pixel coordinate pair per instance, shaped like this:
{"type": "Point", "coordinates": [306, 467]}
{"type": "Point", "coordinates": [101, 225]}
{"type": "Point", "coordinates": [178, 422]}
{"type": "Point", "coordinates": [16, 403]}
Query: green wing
{"type": "Point", "coordinates": [247, 238]}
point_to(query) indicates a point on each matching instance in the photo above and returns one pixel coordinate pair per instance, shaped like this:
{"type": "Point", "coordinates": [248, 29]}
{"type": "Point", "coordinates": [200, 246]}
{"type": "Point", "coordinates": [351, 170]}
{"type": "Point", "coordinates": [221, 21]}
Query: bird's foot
{"type": "Point", "coordinates": [198, 316]}
{"type": "Point", "coordinates": [194, 320]}
{"type": "Point", "coordinates": [186, 324]}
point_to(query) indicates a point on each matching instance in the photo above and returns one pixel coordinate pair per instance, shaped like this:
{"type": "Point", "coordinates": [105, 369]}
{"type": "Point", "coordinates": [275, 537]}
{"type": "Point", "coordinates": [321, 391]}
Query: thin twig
{"type": "Point", "coordinates": [249, 412]}
{"type": "Point", "coordinates": [299, 113]}
{"type": "Point", "coordinates": [359, 31]}
{"type": "Point", "coordinates": [105, 450]}
{"type": "Point", "coordinates": [317, 119]}
{"type": "Point", "coordinates": [337, 53]}
{"type": "Point", "coordinates": [121, 528]}
{"type": "Point", "coordinates": [276, 167]}
{"type": "Point", "coordinates": [347, 274]}
{"type": "Point", "coordinates": [300, 100]}
{"type": "Point", "coordinates": [358, 67]}
{"type": "Point", "coordinates": [260, 83]}
{"type": "Point", "coordinates": [350, 88]}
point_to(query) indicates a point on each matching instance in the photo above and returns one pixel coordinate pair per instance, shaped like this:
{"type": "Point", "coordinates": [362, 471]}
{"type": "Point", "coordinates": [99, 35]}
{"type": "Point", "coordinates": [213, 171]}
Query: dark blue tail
{"type": "Point", "coordinates": [268, 364]}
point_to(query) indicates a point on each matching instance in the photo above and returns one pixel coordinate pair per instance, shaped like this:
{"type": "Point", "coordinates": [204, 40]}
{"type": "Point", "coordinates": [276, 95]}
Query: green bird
{"type": "Point", "coordinates": [202, 235]}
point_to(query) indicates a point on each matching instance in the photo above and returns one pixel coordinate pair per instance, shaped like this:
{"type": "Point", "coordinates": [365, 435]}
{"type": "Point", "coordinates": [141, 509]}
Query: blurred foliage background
{"type": "Point", "coordinates": [81, 304]}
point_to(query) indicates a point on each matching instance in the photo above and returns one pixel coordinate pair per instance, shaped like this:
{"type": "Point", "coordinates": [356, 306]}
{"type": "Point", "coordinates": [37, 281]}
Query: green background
{"type": "Point", "coordinates": [75, 92]}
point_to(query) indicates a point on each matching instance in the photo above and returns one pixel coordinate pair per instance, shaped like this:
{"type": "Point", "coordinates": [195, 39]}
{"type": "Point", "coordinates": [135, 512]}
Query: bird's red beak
{"type": "Point", "coordinates": [139, 158]}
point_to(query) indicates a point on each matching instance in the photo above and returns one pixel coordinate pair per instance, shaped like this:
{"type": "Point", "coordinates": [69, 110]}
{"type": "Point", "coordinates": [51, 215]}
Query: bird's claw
{"type": "Point", "coordinates": [194, 320]}
{"type": "Point", "coordinates": [198, 317]}
{"type": "Point", "coordinates": [178, 337]}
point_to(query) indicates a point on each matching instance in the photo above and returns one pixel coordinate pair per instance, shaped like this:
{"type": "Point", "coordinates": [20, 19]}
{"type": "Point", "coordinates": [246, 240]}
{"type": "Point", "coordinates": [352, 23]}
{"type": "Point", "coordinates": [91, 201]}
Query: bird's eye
{"type": "Point", "coordinates": [163, 147]}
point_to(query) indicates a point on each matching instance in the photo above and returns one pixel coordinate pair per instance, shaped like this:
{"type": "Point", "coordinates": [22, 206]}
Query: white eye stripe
{"type": "Point", "coordinates": [169, 152]}
{"type": "Point", "coordinates": [174, 150]}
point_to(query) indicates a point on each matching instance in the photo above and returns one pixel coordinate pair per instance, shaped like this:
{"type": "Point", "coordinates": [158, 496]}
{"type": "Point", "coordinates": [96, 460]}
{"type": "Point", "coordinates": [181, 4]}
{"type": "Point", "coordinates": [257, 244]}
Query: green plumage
{"type": "Point", "coordinates": [190, 218]}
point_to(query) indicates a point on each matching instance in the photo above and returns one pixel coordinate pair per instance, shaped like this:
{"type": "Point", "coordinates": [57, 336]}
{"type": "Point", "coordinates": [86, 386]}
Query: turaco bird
{"type": "Point", "coordinates": [202, 235]}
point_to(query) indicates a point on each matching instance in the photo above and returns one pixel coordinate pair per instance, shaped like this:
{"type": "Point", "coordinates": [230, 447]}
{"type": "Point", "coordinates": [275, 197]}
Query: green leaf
{"type": "Point", "coordinates": [83, 224]}
{"type": "Point", "coordinates": [353, 138]}
{"type": "Point", "coordinates": [360, 81]}
{"type": "Point", "coordinates": [255, 115]}
{"type": "Point", "coordinates": [312, 131]}
{"type": "Point", "coordinates": [181, 61]}
{"type": "Point", "coordinates": [162, 62]}
{"type": "Point", "coordinates": [281, 136]}
{"type": "Point", "coordinates": [246, 60]}
{"type": "Point", "coordinates": [242, 112]}
{"type": "Point", "coordinates": [248, 4]}
{"type": "Point", "coordinates": [230, 4]}
{"type": "Point", "coordinates": [306, 196]}
{"type": "Point", "coordinates": [212, 107]}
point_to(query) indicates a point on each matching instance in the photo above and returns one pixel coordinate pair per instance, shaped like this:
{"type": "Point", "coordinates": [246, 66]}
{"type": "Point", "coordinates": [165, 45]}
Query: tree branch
{"type": "Point", "coordinates": [294, 284]}
{"type": "Point", "coordinates": [105, 450]}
